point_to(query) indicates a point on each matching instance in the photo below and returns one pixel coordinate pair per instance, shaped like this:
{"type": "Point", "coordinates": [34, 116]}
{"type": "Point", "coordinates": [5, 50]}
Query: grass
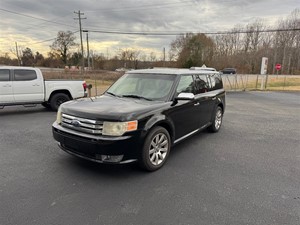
{"type": "Point", "coordinates": [99, 86]}
{"type": "Point", "coordinates": [248, 82]}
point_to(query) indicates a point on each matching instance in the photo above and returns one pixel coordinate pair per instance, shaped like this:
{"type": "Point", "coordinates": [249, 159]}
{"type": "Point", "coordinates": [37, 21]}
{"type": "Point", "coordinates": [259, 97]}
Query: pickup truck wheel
{"type": "Point", "coordinates": [156, 149]}
{"type": "Point", "coordinates": [57, 100]}
{"type": "Point", "coordinates": [217, 120]}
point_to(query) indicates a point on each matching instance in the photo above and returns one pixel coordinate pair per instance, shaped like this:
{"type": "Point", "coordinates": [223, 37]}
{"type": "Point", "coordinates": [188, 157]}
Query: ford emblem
{"type": "Point", "coordinates": [75, 123]}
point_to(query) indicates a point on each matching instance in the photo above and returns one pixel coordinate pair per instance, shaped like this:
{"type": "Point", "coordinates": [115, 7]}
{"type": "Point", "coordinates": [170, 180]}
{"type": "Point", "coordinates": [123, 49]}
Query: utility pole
{"type": "Point", "coordinates": [80, 31]}
{"type": "Point", "coordinates": [88, 48]}
{"type": "Point", "coordinates": [17, 51]}
{"type": "Point", "coordinates": [164, 57]}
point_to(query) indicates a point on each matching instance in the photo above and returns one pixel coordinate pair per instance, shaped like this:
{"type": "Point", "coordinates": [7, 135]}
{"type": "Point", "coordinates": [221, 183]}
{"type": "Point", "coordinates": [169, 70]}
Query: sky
{"type": "Point", "coordinates": [35, 23]}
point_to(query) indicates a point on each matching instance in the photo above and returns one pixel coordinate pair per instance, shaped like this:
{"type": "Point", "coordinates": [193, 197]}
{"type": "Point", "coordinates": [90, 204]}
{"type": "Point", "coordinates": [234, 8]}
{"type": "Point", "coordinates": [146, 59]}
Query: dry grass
{"type": "Point", "coordinates": [98, 86]}
{"type": "Point", "coordinates": [250, 82]}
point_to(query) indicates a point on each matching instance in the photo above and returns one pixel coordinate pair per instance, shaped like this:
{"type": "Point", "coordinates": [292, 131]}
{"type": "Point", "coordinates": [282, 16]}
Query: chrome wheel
{"type": "Point", "coordinates": [158, 149]}
{"type": "Point", "coordinates": [218, 119]}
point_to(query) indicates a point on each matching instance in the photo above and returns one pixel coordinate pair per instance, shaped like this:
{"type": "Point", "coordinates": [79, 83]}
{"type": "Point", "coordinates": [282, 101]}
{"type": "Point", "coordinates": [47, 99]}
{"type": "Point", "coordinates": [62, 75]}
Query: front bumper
{"type": "Point", "coordinates": [96, 148]}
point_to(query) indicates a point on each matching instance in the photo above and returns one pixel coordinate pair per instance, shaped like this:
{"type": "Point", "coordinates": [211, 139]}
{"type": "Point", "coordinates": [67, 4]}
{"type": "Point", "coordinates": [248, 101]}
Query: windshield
{"type": "Point", "coordinates": [143, 86]}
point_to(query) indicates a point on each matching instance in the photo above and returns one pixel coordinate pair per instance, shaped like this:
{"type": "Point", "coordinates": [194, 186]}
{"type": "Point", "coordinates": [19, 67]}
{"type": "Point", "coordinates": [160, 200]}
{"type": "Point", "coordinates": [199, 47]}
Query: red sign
{"type": "Point", "coordinates": [278, 66]}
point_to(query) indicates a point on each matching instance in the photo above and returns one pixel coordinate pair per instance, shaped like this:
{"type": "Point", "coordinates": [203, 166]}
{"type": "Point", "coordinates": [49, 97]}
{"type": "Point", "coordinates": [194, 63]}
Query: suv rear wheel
{"type": "Point", "coordinates": [217, 120]}
{"type": "Point", "coordinates": [156, 149]}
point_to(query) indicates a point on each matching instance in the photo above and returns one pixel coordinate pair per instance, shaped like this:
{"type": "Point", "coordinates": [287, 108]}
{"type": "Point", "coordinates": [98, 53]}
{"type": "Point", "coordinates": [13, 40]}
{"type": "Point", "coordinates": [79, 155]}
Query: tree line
{"type": "Point", "coordinates": [242, 48]}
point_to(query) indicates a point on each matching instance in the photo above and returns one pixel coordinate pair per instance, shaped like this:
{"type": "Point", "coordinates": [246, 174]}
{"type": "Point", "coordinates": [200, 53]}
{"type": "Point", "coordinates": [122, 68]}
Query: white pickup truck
{"type": "Point", "coordinates": [26, 86]}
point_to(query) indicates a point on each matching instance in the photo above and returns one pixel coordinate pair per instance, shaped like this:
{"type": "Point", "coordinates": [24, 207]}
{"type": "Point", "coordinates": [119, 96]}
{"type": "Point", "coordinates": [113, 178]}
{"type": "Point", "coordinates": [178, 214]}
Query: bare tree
{"type": "Point", "coordinates": [63, 43]}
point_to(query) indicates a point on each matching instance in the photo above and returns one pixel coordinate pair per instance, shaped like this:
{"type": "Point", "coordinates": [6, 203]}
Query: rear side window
{"type": "Point", "coordinates": [4, 75]}
{"type": "Point", "coordinates": [202, 84]}
{"type": "Point", "coordinates": [216, 81]}
{"type": "Point", "coordinates": [25, 75]}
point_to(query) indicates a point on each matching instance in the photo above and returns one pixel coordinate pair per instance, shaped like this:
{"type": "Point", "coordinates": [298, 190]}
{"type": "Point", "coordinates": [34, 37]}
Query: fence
{"type": "Point", "coordinates": [244, 82]}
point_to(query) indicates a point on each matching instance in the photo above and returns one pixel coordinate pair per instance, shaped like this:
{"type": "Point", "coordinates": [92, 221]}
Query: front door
{"type": "Point", "coordinates": [185, 113]}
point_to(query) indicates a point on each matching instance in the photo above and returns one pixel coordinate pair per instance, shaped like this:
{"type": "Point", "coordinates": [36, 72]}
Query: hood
{"type": "Point", "coordinates": [112, 108]}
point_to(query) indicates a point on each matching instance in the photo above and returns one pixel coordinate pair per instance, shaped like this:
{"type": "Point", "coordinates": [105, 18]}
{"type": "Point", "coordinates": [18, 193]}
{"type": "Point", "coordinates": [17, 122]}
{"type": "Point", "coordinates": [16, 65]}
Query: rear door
{"type": "Point", "coordinates": [204, 98]}
{"type": "Point", "coordinates": [6, 90]}
{"type": "Point", "coordinates": [27, 86]}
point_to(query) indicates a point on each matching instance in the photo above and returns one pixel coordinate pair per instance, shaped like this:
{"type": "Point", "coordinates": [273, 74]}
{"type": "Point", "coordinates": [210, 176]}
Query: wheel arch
{"type": "Point", "coordinates": [161, 121]}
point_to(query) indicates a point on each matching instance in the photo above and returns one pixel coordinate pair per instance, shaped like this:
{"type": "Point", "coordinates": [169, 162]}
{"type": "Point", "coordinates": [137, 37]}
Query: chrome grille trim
{"type": "Point", "coordinates": [82, 124]}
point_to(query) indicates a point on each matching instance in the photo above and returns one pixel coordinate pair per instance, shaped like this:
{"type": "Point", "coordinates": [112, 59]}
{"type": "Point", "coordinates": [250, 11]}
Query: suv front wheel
{"type": "Point", "coordinates": [156, 149]}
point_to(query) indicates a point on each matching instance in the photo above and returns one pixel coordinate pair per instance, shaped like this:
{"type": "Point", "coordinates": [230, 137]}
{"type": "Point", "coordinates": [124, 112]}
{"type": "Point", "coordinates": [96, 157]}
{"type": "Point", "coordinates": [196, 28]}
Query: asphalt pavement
{"type": "Point", "coordinates": [248, 173]}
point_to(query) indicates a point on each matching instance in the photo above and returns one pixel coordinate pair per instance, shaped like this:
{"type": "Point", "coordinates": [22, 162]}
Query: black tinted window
{"type": "Point", "coordinates": [23, 75]}
{"type": "Point", "coordinates": [186, 84]}
{"type": "Point", "coordinates": [4, 75]}
{"type": "Point", "coordinates": [202, 85]}
{"type": "Point", "coordinates": [216, 82]}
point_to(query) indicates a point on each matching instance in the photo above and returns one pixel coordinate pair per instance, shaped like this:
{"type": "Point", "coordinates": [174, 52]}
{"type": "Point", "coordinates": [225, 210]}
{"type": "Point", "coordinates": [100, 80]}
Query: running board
{"type": "Point", "coordinates": [29, 105]}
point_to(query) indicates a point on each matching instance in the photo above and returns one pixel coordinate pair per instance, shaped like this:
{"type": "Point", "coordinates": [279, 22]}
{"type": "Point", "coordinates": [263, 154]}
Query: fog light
{"type": "Point", "coordinates": [111, 158]}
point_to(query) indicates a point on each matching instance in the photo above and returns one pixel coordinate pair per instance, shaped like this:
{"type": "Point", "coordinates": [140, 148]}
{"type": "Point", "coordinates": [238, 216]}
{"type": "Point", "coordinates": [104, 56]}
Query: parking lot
{"type": "Point", "coordinates": [248, 173]}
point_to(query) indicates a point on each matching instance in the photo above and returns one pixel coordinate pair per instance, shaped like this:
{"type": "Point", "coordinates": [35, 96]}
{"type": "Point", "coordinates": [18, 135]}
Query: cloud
{"type": "Point", "coordinates": [128, 16]}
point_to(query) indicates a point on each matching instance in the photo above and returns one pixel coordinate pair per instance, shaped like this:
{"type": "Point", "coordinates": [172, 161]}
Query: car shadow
{"type": "Point", "coordinates": [117, 171]}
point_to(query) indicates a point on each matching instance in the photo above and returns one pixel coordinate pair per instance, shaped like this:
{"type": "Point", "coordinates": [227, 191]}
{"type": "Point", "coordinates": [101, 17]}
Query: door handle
{"type": "Point", "coordinates": [35, 85]}
{"type": "Point", "coordinates": [7, 85]}
{"type": "Point", "coordinates": [196, 104]}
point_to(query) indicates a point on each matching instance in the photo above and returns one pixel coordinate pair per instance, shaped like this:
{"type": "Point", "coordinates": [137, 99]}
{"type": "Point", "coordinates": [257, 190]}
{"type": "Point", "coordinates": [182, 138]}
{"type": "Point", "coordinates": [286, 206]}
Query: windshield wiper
{"type": "Point", "coordinates": [110, 93]}
{"type": "Point", "coordinates": [136, 96]}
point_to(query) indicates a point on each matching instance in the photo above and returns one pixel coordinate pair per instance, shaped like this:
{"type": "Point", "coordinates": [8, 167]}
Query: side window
{"type": "Point", "coordinates": [24, 75]}
{"type": "Point", "coordinates": [202, 85]}
{"type": "Point", "coordinates": [216, 82]}
{"type": "Point", "coordinates": [186, 84]}
{"type": "Point", "coordinates": [4, 75]}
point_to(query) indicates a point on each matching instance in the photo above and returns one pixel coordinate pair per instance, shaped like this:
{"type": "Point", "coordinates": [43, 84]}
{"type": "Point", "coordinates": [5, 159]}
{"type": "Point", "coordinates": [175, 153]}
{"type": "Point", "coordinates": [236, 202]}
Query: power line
{"type": "Point", "coordinates": [144, 7]}
{"type": "Point", "coordinates": [33, 17]}
{"type": "Point", "coordinates": [52, 39]}
{"type": "Point", "coordinates": [174, 33]}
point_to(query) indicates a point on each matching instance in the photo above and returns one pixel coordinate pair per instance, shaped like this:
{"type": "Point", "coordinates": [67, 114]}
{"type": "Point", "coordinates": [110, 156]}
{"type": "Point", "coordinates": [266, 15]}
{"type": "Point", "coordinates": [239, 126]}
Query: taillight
{"type": "Point", "coordinates": [84, 86]}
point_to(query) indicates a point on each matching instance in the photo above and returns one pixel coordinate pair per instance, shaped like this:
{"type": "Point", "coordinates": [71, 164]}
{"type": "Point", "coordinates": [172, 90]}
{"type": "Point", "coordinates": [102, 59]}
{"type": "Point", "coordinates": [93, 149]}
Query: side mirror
{"type": "Point", "coordinates": [185, 96]}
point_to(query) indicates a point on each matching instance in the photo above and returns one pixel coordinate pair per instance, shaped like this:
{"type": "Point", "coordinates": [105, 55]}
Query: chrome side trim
{"type": "Point", "coordinates": [193, 132]}
{"type": "Point", "coordinates": [185, 136]}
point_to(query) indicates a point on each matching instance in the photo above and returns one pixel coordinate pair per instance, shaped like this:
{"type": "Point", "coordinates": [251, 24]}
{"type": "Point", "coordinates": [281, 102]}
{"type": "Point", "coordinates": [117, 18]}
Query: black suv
{"type": "Point", "coordinates": [229, 71]}
{"type": "Point", "coordinates": [141, 116]}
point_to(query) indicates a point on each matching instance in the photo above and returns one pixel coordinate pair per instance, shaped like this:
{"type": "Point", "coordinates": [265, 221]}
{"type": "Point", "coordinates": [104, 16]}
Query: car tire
{"type": "Point", "coordinates": [156, 149]}
{"type": "Point", "coordinates": [217, 120]}
{"type": "Point", "coordinates": [57, 100]}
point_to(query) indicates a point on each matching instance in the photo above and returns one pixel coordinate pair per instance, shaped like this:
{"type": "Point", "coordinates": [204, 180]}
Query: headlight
{"type": "Point", "coordinates": [58, 116]}
{"type": "Point", "coordinates": [118, 128]}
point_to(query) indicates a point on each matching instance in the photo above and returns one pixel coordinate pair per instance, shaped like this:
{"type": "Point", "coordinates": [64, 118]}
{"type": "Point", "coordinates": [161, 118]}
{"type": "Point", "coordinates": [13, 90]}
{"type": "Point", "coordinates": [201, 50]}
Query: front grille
{"type": "Point", "coordinates": [81, 124]}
